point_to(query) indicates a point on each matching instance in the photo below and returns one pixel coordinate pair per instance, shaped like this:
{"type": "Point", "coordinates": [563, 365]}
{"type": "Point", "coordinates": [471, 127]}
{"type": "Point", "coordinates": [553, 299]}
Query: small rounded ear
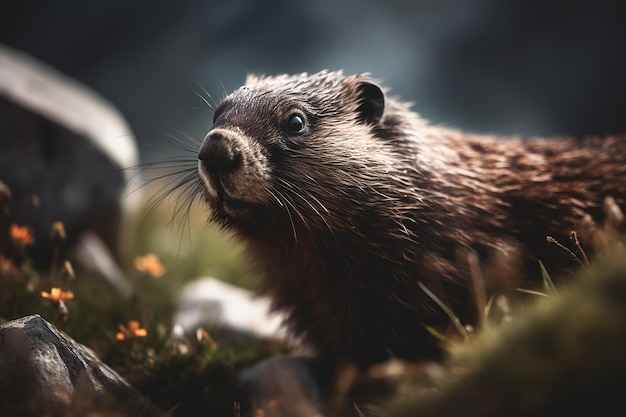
{"type": "Point", "coordinates": [371, 102]}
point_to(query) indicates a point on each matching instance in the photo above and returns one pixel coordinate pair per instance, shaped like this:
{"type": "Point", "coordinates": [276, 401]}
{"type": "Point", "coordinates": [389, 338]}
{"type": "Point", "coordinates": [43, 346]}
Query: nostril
{"type": "Point", "coordinates": [219, 153]}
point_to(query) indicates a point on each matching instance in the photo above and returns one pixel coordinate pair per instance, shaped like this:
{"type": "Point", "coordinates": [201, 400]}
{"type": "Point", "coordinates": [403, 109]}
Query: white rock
{"type": "Point", "coordinates": [211, 302]}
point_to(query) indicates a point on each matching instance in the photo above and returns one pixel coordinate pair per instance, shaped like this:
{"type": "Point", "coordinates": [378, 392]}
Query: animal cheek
{"type": "Point", "coordinates": [250, 182]}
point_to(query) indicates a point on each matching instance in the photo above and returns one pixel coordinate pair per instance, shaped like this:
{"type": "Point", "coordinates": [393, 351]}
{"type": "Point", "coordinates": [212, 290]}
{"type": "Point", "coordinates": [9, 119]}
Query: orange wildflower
{"type": "Point", "coordinates": [21, 235]}
{"type": "Point", "coordinates": [56, 295]}
{"type": "Point", "coordinates": [150, 264]}
{"type": "Point", "coordinates": [132, 331]}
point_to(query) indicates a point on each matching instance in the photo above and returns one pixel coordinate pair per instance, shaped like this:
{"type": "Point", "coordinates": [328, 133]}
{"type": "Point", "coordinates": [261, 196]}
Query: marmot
{"type": "Point", "coordinates": [347, 200]}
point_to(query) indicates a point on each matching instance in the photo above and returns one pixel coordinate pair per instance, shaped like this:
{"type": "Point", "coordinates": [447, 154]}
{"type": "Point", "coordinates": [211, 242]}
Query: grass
{"type": "Point", "coordinates": [564, 355]}
{"type": "Point", "coordinates": [560, 354]}
{"type": "Point", "coordinates": [196, 375]}
{"type": "Point", "coordinates": [191, 247]}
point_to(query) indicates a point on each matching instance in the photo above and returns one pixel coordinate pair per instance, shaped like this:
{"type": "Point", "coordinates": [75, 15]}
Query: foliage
{"type": "Point", "coordinates": [133, 332]}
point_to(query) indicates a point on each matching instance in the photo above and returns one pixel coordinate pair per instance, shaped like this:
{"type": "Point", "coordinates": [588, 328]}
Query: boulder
{"type": "Point", "coordinates": [44, 372]}
{"type": "Point", "coordinates": [209, 302]}
{"type": "Point", "coordinates": [66, 145]}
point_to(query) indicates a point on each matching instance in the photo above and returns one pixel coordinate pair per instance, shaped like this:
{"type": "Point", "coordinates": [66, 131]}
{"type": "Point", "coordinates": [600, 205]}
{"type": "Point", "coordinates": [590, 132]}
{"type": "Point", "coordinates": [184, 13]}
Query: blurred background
{"type": "Point", "coordinates": [531, 67]}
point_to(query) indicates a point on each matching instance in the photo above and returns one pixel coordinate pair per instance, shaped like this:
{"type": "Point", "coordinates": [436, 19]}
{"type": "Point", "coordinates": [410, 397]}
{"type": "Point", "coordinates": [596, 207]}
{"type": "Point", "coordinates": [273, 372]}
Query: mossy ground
{"type": "Point", "coordinates": [196, 375]}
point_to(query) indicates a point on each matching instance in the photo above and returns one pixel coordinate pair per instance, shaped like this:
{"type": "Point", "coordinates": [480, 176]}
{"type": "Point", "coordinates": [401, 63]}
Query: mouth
{"type": "Point", "coordinates": [218, 197]}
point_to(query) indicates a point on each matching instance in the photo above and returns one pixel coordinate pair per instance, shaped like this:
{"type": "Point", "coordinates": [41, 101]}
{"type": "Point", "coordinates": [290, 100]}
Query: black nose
{"type": "Point", "coordinates": [219, 153]}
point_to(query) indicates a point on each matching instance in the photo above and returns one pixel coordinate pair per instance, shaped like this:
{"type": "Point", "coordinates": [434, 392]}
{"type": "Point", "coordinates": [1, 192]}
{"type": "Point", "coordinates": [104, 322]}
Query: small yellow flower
{"type": "Point", "coordinates": [58, 232]}
{"type": "Point", "coordinates": [21, 235]}
{"type": "Point", "coordinates": [56, 295]}
{"type": "Point", "coordinates": [150, 264]}
{"type": "Point", "coordinates": [132, 331]}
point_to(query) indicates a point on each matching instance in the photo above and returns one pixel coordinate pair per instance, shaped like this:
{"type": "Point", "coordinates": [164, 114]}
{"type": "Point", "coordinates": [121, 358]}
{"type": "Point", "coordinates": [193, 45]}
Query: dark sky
{"type": "Point", "coordinates": [521, 66]}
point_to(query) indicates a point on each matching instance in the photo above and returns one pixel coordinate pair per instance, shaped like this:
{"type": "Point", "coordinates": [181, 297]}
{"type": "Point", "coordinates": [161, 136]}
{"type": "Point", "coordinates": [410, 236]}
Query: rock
{"type": "Point", "coordinates": [211, 302]}
{"type": "Point", "coordinates": [43, 372]}
{"type": "Point", "coordinates": [285, 386]}
{"type": "Point", "coordinates": [66, 145]}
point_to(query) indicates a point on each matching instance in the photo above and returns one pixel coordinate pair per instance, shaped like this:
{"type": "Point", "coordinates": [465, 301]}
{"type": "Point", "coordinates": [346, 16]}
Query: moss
{"type": "Point", "coordinates": [565, 353]}
{"type": "Point", "coordinates": [196, 377]}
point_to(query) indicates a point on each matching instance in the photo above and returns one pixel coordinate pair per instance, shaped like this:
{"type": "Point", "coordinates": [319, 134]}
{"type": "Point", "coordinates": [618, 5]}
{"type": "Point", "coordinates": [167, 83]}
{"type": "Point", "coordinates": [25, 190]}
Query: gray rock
{"type": "Point", "coordinates": [66, 145]}
{"type": "Point", "coordinates": [285, 386]}
{"type": "Point", "coordinates": [43, 371]}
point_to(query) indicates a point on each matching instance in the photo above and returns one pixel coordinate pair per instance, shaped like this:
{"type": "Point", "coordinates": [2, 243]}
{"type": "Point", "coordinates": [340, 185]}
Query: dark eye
{"type": "Point", "coordinates": [295, 123]}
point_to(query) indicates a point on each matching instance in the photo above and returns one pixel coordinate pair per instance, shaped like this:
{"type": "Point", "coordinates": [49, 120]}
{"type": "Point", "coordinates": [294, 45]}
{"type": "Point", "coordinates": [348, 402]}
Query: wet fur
{"type": "Point", "coordinates": [346, 217]}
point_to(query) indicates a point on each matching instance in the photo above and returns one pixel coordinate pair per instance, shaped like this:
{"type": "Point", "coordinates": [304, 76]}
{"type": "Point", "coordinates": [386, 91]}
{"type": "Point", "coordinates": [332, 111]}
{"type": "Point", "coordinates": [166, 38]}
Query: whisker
{"type": "Point", "coordinates": [293, 226]}
{"type": "Point", "coordinates": [293, 190]}
{"type": "Point", "coordinates": [183, 208]}
{"type": "Point", "coordinates": [189, 189]}
{"type": "Point", "coordinates": [303, 218]}
{"type": "Point", "coordinates": [174, 162]}
{"type": "Point", "coordinates": [183, 174]}
{"type": "Point", "coordinates": [204, 91]}
{"type": "Point", "coordinates": [188, 136]}
{"type": "Point", "coordinates": [276, 198]}
{"type": "Point", "coordinates": [178, 141]}
{"type": "Point", "coordinates": [217, 75]}
{"type": "Point", "coordinates": [175, 174]}
{"type": "Point", "coordinates": [189, 200]}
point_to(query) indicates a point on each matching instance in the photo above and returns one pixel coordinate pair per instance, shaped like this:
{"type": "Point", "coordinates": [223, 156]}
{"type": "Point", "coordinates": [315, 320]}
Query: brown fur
{"type": "Point", "coordinates": [346, 216]}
